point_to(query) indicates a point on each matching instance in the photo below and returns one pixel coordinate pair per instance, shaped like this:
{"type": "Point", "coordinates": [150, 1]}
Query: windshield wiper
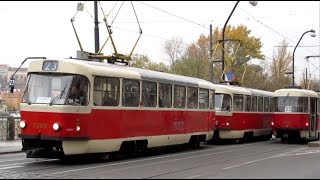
{"type": "Point", "coordinates": [26, 95]}
{"type": "Point", "coordinates": [59, 96]}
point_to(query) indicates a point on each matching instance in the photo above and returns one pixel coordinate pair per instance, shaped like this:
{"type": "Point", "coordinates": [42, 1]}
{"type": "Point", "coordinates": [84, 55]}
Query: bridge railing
{"type": "Point", "coordinates": [9, 128]}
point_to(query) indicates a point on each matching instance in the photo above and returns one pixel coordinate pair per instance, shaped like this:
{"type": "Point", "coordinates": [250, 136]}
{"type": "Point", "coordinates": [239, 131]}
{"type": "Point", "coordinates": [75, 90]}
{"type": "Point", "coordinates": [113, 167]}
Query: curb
{"type": "Point", "coordinates": [314, 144]}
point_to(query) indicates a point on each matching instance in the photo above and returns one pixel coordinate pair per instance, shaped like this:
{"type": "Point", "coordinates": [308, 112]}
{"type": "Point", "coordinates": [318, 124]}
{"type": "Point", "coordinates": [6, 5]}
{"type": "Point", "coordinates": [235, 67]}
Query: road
{"type": "Point", "coordinates": [262, 159]}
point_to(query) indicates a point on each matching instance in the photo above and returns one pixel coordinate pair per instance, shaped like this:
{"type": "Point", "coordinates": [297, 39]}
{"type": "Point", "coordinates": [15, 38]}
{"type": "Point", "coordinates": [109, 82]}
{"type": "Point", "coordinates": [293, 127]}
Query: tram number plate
{"type": "Point", "coordinates": [288, 108]}
{"type": "Point", "coordinates": [50, 65]}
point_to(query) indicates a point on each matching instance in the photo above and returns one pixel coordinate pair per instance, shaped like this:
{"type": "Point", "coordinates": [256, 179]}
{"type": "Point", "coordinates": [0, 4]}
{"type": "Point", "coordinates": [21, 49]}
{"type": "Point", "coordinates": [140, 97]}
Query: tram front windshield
{"type": "Point", "coordinates": [56, 89]}
{"type": "Point", "coordinates": [292, 104]}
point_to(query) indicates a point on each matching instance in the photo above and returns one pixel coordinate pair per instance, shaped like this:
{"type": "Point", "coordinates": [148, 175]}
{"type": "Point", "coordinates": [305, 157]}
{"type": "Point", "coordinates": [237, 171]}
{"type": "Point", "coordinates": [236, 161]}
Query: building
{"type": "Point", "coordinates": [12, 100]}
{"type": "Point", "coordinates": [4, 70]}
{"type": "Point", "coordinates": [21, 73]}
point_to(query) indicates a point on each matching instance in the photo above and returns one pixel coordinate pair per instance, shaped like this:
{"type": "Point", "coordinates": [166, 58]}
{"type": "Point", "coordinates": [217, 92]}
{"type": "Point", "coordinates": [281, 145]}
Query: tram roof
{"type": "Point", "coordinates": [231, 89]}
{"type": "Point", "coordinates": [259, 92]}
{"type": "Point", "coordinates": [104, 68]}
{"type": "Point", "coordinates": [295, 92]}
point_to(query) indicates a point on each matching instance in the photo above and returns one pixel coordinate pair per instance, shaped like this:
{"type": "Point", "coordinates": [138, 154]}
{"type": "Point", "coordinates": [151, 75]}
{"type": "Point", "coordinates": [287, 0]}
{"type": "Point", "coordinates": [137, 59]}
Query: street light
{"type": "Point", "coordinates": [253, 3]}
{"type": "Point", "coordinates": [312, 35]}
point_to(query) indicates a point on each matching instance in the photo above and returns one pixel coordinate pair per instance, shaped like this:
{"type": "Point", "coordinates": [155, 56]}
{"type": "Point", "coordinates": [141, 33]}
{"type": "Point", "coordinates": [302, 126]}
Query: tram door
{"type": "Point", "coordinates": [313, 118]}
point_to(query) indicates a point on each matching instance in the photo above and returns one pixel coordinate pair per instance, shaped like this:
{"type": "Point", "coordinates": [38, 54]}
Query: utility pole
{"type": "Point", "coordinates": [96, 27]}
{"type": "Point", "coordinates": [211, 62]}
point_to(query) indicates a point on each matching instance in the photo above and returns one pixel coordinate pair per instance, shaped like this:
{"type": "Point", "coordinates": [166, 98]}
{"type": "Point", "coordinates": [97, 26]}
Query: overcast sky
{"type": "Point", "coordinates": [44, 28]}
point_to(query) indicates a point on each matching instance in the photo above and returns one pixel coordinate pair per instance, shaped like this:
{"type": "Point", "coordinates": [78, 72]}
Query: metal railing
{"type": "Point", "coordinates": [9, 128]}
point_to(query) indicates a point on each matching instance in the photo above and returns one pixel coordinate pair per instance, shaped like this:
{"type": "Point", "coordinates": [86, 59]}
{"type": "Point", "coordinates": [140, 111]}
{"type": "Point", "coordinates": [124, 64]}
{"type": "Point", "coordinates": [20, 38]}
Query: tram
{"type": "Point", "coordinates": [74, 106]}
{"type": "Point", "coordinates": [296, 114]}
{"type": "Point", "coordinates": [242, 113]}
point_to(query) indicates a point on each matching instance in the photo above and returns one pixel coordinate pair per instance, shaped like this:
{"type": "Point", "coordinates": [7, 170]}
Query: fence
{"type": "Point", "coordinates": [9, 128]}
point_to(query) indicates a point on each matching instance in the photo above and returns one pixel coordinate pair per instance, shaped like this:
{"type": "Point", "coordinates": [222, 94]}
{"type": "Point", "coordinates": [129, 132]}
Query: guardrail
{"type": "Point", "coordinates": [9, 128]}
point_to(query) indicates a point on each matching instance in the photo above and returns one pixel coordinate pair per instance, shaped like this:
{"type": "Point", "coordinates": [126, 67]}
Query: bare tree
{"type": "Point", "coordinates": [173, 49]}
{"type": "Point", "coordinates": [281, 63]}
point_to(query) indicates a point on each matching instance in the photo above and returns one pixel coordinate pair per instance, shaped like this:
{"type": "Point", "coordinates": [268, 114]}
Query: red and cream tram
{"type": "Point", "coordinates": [242, 113]}
{"type": "Point", "coordinates": [115, 108]}
{"type": "Point", "coordinates": [296, 114]}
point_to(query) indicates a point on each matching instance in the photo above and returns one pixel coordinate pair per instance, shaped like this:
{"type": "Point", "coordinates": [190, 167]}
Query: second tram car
{"type": "Point", "coordinates": [73, 107]}
{"type": "Point", "coordinates": [242, 113]}
{"type": "Point", "coordinates": [296, 114]}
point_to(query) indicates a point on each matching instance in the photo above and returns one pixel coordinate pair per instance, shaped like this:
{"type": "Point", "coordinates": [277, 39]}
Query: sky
{"type": "Point", "coordinates": [43, 28]}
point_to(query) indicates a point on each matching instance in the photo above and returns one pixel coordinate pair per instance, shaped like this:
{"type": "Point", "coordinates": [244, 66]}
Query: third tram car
{"type": "Point", "coordinates": [296, 112]}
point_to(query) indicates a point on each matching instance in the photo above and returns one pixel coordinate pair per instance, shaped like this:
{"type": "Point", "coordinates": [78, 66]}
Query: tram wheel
{"type": "Point", "coordinates": [195, 142]}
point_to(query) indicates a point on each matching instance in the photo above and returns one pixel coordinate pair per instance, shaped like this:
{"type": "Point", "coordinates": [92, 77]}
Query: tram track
{"type": "Point", "coordinates": [55, 169]}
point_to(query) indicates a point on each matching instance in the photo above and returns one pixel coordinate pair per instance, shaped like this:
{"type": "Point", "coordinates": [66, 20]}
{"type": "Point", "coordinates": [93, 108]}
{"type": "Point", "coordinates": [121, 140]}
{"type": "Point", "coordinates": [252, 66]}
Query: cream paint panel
{"type": "Point", "coordinates": [295, 92]}
{"type": "Point", "coordinates": [227, 134]}
{"type": "Point", "coordinates": [76, 66]}
{"type": "Point", "coordinates": [304, 134]}
{"type": "Point", "coordinates": [223, 113]}
{"type": "Point", "coordinates": [55, 108]}
{"type": "Point", "coordinates": [110, 145]}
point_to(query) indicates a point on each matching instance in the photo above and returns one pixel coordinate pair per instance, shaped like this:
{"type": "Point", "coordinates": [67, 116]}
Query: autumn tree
{"type": "Point", "coordinates": [195, 61]}
{"type": "Point", "coordinates": [239, 48]}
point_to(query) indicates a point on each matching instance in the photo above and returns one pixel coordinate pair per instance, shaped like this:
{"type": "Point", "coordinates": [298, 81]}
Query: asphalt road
{"type": "Point", "coordinates": [264, 159]}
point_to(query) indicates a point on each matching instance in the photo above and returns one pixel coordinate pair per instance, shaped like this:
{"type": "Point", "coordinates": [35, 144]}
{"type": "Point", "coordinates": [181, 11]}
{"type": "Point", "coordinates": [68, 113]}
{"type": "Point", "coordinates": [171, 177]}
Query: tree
{"type": "Point", "coordinates": [173, 49]}
{"type": "Point", "coordinates": [281, 63]}
{"type": "Point", "coordinates": [195, 61]}
{"type": "Point", "coordinates": [240, 48]}
{"type": "Point", "coordinates": [143, 61]}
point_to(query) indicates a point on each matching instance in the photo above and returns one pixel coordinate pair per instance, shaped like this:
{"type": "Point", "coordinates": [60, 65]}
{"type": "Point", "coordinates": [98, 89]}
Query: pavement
{"type": "Point", "coordinates": [10, 146]}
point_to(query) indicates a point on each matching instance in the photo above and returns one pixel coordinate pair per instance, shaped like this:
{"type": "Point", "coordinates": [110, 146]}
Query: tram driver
{"type": "Point", "coordinates": [77, 94]}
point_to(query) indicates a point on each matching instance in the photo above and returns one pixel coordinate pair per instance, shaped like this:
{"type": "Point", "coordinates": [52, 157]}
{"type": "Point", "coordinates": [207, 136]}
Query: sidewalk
{"type": "Point", "coordinates": [12, 146]}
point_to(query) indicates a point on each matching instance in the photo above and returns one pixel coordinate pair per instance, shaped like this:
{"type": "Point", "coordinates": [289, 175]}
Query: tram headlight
{"type": "Point", "coordinates": [56, 126]}
{"type": "Point", "coordinates": [22, 124]}
{"type": "Point", "coordinates": [272, 123]}
{"type": "Point", "coordinates": [227, 124]}
{"type": "Point", "coordinates": [307, 124]}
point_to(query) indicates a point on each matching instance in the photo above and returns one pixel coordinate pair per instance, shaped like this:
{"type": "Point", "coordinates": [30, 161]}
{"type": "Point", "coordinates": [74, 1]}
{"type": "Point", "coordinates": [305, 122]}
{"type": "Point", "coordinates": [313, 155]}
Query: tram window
{"type": "Point", "coordinates": [212, 100]}
{"type": "Point", "coordinates": [78, 94]}
{"type": "Point", "coordinates": [318, 105]}
{"type": "Point", "coordinates": [149, 94]}
{"type": "Point", "coordinates": [192, 100]}
{"type": "Point", "coordinates": [273, 106]}
{"type": "Point", "coordinates": [165, 95]}
{"type": "Point", "coordinates": [248, 103]}
{"type": "Point", "coordinates": [266, 104]}
{"type": "Point", "coordinates": [254, 104]}
{"type": "Point", "coordinates": [222, 102]}
{"type": "Point", "coordinates": [237, 102]}
{"type": "Point", "coordinates": [204, 99]}
{"type": "Point", "coordinates": [106, 91]}
{"type": "Point", "coordinates": [130, 93]}
{"type": "Point", "coordinates": [302, 104]}
{"type": "Point", "coordinates": [260, 104]}
{"type": "Point", "coordinates": [179, 97]}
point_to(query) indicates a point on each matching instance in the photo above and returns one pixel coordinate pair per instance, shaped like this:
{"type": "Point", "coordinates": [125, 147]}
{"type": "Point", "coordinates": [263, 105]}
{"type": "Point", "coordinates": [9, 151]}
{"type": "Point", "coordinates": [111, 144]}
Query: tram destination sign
{"type": "Point", "coordinates": [50, 66]}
